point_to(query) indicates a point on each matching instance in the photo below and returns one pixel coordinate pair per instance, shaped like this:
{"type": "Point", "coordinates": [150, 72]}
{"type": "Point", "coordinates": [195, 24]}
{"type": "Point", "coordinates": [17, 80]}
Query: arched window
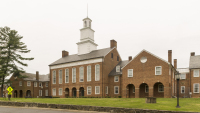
{"type": "Point", "coordinates": [97, 72]}
{"type": "Point", "coordinates": [85, 24]}
{"type": "Point", "coordinates": [90, 24]}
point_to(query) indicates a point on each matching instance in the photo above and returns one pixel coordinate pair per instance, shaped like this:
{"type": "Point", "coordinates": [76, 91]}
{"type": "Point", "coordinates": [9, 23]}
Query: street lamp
{"type": "Point", "coordinates": [177, 78]}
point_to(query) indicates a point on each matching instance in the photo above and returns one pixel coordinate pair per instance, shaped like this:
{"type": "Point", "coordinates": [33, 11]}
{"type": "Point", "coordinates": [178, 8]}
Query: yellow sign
{"type": "Point", "coordinates": [9, 93]}
{"type": "Point", "coordinates": [9, 89]}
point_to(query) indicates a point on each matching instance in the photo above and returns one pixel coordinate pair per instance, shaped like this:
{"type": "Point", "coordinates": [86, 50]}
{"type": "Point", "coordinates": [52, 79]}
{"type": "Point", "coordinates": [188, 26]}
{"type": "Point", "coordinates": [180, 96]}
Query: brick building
{"type": "Point", "coordinates": [34, 85]}
{"type": "Point", "coordinates": [96, 72]}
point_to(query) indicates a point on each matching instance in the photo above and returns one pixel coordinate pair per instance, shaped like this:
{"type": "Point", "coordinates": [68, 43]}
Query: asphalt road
{"type": "Point", "coordinates": [11, 109]}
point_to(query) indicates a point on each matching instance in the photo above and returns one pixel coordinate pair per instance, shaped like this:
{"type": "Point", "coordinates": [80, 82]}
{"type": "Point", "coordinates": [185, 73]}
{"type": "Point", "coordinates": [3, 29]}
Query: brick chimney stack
{"type": "Point", "coordinates": [129, 58]}
{"type": "Point", "coordinates": [37, 75]}
{"type": "Point", "coordinates": [192, 53]}
{"type": "Point", "coordinates": [65, 53]}
{"type": "Point", "coordinates": [113, 43]}
{"type": "Point", "coordinates": [170, 56]}
{"type": "Point", "coordinates": [175, 63]}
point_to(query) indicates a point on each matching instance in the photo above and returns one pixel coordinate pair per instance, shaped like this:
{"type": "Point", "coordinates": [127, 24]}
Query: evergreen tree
{"type": "Point", "coordinates": [10, 49]}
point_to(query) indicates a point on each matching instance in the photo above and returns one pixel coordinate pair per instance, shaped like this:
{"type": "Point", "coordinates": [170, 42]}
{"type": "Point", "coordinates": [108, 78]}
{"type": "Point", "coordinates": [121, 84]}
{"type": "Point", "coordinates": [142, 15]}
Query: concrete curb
{"type": "Point", "coordinates": [86, 108]}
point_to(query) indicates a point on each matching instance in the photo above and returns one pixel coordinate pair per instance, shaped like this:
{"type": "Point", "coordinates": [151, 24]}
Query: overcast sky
{"type": "Point", "coordinates": [50, 26]}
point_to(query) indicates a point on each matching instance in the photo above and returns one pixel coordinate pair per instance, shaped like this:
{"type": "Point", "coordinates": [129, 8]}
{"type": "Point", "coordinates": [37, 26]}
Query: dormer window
{"type": "Point", "coordinates": [117, 68]}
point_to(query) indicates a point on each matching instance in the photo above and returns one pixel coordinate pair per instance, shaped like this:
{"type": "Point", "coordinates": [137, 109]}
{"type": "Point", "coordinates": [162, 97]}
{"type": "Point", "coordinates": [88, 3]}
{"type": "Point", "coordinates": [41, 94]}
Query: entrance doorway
{"type": "Point", "coordinates": [81, 92]}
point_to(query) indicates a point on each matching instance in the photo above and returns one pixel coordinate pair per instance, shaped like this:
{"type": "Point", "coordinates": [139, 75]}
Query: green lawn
{"type": "Point", "coordinates": [187, 104]}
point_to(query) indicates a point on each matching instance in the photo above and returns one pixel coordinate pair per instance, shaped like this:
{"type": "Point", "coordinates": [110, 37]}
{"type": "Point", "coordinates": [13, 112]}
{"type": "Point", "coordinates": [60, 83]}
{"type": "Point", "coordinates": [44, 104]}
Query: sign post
{"type": "Point", "coordinates": [9, 92]}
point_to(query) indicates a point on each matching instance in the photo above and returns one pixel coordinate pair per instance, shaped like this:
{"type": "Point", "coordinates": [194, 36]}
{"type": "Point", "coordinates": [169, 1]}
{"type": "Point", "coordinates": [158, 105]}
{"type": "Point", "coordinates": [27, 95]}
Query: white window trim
{"type": "Point", "coordinates": [46, 84]}
{"type": "Point", "coordinates": [181, 76]}
{"type": "Point", "coordinates": [80, 74]}
{"type": "Point", "coordinates": [87, 90]}
{"type": "Point", "coordinates": [60, 80]}
{"type": "Point", "coordinates": [96, 72]}
{"type": "Point", "coordinates": [40, 83]}
{"type": "Point", "coordinates": [114, 89]}
{"type": "Point", "coordinates": [145, 89]}
{"type": "Point", "coordinates": [99, 90]}
{"type": "Point", "coordinates": [115, 79]}
{"type": "Point", "coordinates": [46, 92]}
{"type": "Point", "coordinates": [39, 92]}
{"type": "Point", "coordinates": [194, 71]}
{"type": "Point", "coordinates": [20, 83]}
{"type": "Point", "coordinates": [160, 70]}
{"type": "Point", "coordinates": [66, 75]}
{"type": "Point", "coordinates": [28, 82]}
{"type": "Point", "coordinates": [181, 89]}
{"type": "Point", "coordinates": [59, 91]}
{"type": "Point", "coordinates": [128, 73]}
{"type": "Point", "coordinates": [158, 87]}
{"type": "Point", "coordinates": [117, 68]}
{"type": "Point", "coordinates": [106, 89]}
{"type": "Point", "coordinates": [53, 77]}
{"type": "Point", "coordinates": [90, 73]}
{"type": "Point", "coordinates": [53, 92]}
{"type": "Point", "coordinates": [194, 88]}
{"type": "Point", "coordinates": [73, 74]}
{"type": "Point", "coordinates": [35, 83]}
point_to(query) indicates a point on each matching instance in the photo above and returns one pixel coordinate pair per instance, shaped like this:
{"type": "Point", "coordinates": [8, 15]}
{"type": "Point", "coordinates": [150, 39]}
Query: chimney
{"type": "Point", "coordinates": [65, 53]}
{"type": "Point", "coordinates": [37, 75]}
{"type": "Point", "coordinates": [175, 63]}
{"type": "Point", "coordinates": [113, 43]}
{"type": "Point", "coordinates": [170, 56]}
{"type": "Point", "coordinates": [129, 58]}
{"type": "Point", "coordinates": [192, 53]}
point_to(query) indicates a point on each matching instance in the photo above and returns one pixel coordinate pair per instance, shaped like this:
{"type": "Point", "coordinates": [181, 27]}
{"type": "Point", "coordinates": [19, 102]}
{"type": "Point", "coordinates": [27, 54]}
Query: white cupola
{"type": "Point", "coordinates": [86, 43]}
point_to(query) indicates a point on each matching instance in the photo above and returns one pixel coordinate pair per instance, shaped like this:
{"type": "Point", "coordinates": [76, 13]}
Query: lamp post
{"type": "Point", "coordinates": [177, 78]}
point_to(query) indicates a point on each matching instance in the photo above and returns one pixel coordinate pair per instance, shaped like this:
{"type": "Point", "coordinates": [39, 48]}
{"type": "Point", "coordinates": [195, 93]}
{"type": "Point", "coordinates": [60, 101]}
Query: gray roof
{"type": "Point", "coordinates": [93, 54]}
{"type": "Point", "coordinates": [183, 70]}
{"type": "Point", "coordinates": [32, 77]}
{"type": "Point", "coordinates": [194, 61]}
{"type": "Point", "coordinates": [121, 64]}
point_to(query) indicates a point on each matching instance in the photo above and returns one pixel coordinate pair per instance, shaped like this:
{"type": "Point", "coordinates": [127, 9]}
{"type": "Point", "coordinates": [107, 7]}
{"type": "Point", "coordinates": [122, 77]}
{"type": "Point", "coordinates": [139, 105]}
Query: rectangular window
{"type": "Point", "coordinates": [182, 89]}
{"type": "Point", "coordinates": [158, 70]}
{"type": "Point", "coordinates": [20, 83]}
{"type": "Point", "coordinates": [40, 84]}
{"type": "Point", "coordinates": [54, 77]}
{"type": "Point", "coordinates": [35, 84]}
{"type": "Point", "coordinates": [60, 76]}
{"type": "Point", "coordinates": [46, 92]}
{"type": "Point", "coordinates": [116, 89]}
{"type": "Point", "coordinates": [46, 84]}
{"type": "Point", "coordinates": [81, 74]}
{"type": "Point", "coordinates": [146, 88]}
{"type": "Point", "coordinates": [88, 73]}
{"type": "Point", "coordinates": [60, 91]}
{"type": "Point", "coordinates": [73, 75]}
{"type": "Point", "coordinates": [97, 72]}
{"type": "Point", "coordinates": [133, 89]}
{"type": "Point", "coordinates": [54, 92]}
{"type": "Point", "coordinates": [117, 58]}
{"type": "Point", "coordinates": [28, 83]}
{"type": "Point", "coordinates": [130, 72]}
{"type": "Point", "coordinates": [97, 89]}
{"type": "Point", "coordinates": [196, 73]}
{"type": "Point", "coordinates": [111, 55]}
{"type": "Point", "coordinates": [116, 79]}
{"type": "Point", "coordinates": [89, 90]}
{"type": "Point", "coordinates": [160, 88]}
{"type": "Point", "coordinates": [196, 88]}
{"type": "Point", "coordinates": [117, 68]}
{"type": "Point", "coordinates": [66, 75]}
{"type": "Point", "coordinates": [183, 76]}
{"type": "Point", "coordinates": [40, 92]}
{"type": "Point", "coordinates": [106, 90]}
